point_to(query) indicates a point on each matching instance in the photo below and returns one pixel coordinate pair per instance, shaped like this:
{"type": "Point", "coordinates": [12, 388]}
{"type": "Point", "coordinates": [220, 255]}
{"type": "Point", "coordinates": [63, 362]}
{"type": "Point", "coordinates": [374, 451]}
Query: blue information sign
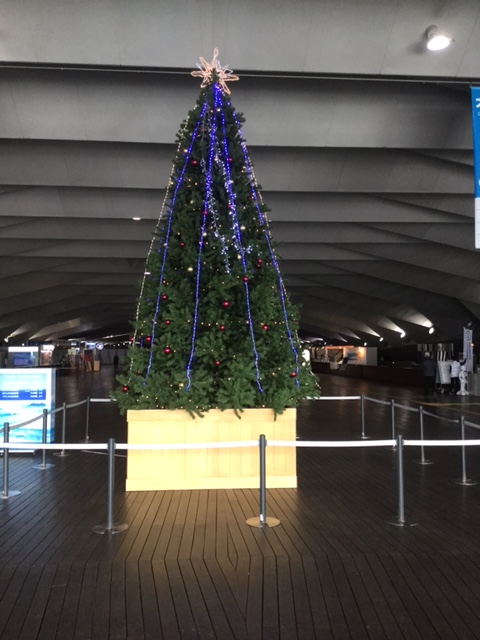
{"type": "Point", "coordinates": [475, 93]}
{"type": "Point", "coordinates": [24, 394]}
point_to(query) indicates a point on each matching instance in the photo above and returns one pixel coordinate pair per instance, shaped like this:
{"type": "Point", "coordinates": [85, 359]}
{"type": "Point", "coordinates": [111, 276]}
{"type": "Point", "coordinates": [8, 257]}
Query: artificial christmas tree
{"type": "Point", "coordinates": [215, 329]}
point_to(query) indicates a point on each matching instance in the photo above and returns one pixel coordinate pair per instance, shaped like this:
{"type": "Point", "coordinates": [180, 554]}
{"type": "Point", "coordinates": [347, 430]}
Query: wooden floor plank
{"type": "Point", "coordinates": [188, 565]}
{"type": "Point", "coordinates": [36, 610]}
{"type": "Point", "coordinates": [170, 626]}
{"type": "Point", "coordinates": [221, 579]}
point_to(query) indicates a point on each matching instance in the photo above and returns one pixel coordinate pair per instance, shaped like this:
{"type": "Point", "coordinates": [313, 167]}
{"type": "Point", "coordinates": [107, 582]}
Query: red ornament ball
{"type": "Point", "coordinates": [259, 261]}
{"type": "Point", "coordinates": [217, 363]}
{"type": "Point", "coordinates": [230, 159]}
{"type": "Point", "coordinates": [182, 244]}
{"type": "Point", "coordinates": [148, 338]}
{"type": "Point", "coordinates": [265, 327]}
{"type": "Point", "coordinates": [124, 388]}
{"type": "Point", "coordinates": [167, 322]}
{"type": "Point", "coordinates": [167, 351]}
{"type": "Point", "coordinates": [245, 278]}
{"type": "Point", "coordinates": [225, 304]}
{"type": "Point", "coordinates": [163, 297]}
{"type": "Point", "coordinates": [293, 374]}
{"type": "Point", "coordinates": [222, 327]}
{"type": "Point", "coordinates": [194, 162]}
{"type": "Point", "coordinates": [205, 214]}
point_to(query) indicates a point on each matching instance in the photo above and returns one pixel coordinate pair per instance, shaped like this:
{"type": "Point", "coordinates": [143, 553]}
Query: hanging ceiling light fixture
{"type": "Point", "coordinates": [436, 39]}
{"type": "Point", "coordinates": [431, 330]}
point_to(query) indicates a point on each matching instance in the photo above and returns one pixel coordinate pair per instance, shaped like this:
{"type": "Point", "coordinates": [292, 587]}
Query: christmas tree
{"type": "Point", "coordinates": [214, 326]}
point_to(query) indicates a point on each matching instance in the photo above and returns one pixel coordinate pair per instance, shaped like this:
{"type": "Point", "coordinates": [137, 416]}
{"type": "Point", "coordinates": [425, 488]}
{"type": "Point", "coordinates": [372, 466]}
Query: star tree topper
{"type": "Point", "coordinates": [207, 69]}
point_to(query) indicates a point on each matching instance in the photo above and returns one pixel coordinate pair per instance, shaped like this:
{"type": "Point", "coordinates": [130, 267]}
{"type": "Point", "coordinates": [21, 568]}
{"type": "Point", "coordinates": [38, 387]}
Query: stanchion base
{"type": "Point", "coordinates": [364, 437]}
{"type": "Point", "coordinates": [48, 465]}
{"type": "Point", "coordinates": [61, 455]}
{"type": "Point", "coordinates": [466, 483]}
{"type": "Point", "coordinates": [423, 461]}
{"type": "Point", "coordinates": [256, 522]}
{"type": "Point", "coordinates": [115, 528]}
{"type": "Point", "coordinates": [11, 493]}
{"type": "Point", "coordinates": [396, 522]}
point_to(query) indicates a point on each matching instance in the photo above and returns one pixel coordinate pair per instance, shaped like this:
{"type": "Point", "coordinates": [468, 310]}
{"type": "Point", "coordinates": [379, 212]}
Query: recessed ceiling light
{"type": "Point", "coordinates": [436, 39]}
{"type": "Point", "coordinates": [136, 219]}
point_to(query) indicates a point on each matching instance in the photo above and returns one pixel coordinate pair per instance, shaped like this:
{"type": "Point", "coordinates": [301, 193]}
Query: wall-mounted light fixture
{"type": "Point", "coordinates": [436, 39]}
{"type": "Point", "coordinates": [431, 330]}
{"type": "Point", "coordinates": [402, 334]}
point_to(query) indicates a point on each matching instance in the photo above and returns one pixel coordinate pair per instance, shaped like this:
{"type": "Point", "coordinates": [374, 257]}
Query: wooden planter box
{"type": "Point", "coordinates": [229, 468]}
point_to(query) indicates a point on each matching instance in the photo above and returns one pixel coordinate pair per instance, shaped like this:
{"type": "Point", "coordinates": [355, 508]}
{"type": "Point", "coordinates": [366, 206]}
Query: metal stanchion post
{"type": "Point", "coordinates": [110, 525]}
{"type": "Point", "coordinates": [262, 520]}
{"type": "Point", "coordinates": [87, 419]}
{"type": "Point", "coordinates": [464, 480]}
{"type": "Point", "coordinates": [392, 420]}
{"type": "Point", "coordinates": [6, 462]}
{"type": "Point", "coordinates": [44, 464]}
{"type": "Point", "coordinates": [62, 453]}
{"type": "Point", "coordinates": [362, 416]}
{"type": "Point", "coordinates": [422, 460]}
{"type": "Point", "coordinates": [399, 520]}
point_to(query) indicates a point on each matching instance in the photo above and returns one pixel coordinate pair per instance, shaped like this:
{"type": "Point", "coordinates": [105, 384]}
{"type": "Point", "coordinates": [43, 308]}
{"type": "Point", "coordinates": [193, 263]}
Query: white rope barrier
{"type": "Point", "coordinates": [102, 400]}
{"type": "Point", "coordinates": [24, 424]}
{"type": "Point", "coordinates": [334, 398]}
{"type": "Point", "coordinates": [330, 443]}
{"type": "Point", "coordinates": [441, 443]}
{"type": "Point", "coordinates": [76, 404]}
{"type": "Point", "coordinates": [375, 400]}
{"type": "Point", "coordinates": [189, 445]}
{"type": "Point", "coordinates": [238, 444]}
{"type": "Point", "coordinates": [471, 424]}
{"type": "Point", "coordinates": [434, 415]}
{"type": "Point", "coordinates": [28, 446]}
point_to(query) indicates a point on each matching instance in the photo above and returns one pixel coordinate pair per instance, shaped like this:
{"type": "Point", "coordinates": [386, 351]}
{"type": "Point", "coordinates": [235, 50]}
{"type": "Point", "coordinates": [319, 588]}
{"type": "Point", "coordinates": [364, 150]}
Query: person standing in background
{"type": "Point", "coordinates": [429, 372]}
{"type": "Point", "coordinates": [454, 376]}
{"type": "Point", "coordinates": [455, 370]}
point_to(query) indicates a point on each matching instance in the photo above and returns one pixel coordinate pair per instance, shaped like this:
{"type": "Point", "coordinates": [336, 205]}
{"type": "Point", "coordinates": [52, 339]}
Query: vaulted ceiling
{"type": "Point", "coordinates": [361, 139]}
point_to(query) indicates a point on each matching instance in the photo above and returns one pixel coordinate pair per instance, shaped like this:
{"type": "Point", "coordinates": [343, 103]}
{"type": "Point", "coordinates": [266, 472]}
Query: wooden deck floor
{"type": "Point", "coordinates": [188, 566]}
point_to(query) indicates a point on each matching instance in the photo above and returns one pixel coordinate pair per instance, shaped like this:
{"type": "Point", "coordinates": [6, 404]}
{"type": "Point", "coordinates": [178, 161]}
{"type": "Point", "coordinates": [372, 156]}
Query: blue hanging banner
{"type": "Point", "coordinates": [475, 92]}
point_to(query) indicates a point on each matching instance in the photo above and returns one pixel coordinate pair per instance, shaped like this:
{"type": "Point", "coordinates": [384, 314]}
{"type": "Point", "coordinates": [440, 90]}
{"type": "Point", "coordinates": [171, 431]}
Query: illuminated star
{"type": "Point", "coordinates": [208, 69]}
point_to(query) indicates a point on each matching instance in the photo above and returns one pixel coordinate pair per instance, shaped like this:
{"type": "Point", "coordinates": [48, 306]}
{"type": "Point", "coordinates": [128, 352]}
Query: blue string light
{"type": "Point", "coordinates": [266, 233]}
{"type": "Point", "coordinates": [206, 207]}
{"type": "Point", "coordinates": [178, 184]}
{"type": "Point", "coordinates": [238, 236]}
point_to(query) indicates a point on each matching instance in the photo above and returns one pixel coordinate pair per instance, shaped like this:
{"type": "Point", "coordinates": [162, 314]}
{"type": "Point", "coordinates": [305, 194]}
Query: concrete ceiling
{"type": "Point", "coordinates": [361, 140]}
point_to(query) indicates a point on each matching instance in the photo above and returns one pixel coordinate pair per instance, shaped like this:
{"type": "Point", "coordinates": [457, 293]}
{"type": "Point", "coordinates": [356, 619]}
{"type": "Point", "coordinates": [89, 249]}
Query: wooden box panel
{"type": "Point", "coordinates": [229, 468]}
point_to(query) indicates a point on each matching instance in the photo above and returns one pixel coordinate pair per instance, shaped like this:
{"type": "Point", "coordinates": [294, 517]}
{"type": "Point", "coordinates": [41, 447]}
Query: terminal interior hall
{"type": "Point", "coordinates": [361, 133]}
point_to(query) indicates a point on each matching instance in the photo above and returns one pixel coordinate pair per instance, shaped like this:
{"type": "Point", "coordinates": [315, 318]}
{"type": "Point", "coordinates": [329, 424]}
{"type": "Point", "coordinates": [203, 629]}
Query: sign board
{"type": "Point", "coordinates": [468, 349]}
{"type": "Point", "coordinates": [24, 394]}
{"type": "Point", "coordinates": [443, 371]}
{"type": "Point", "coordinates": [475, 94]}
